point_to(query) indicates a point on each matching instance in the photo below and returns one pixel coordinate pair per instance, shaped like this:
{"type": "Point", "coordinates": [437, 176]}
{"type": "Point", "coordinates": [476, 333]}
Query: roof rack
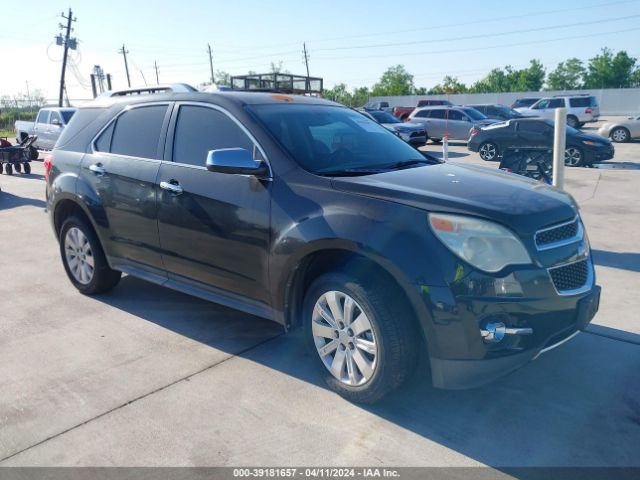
{"type": "Point", "coordinates": [165, 88]}
{"type": "Point", "coordinates": [574, 95]}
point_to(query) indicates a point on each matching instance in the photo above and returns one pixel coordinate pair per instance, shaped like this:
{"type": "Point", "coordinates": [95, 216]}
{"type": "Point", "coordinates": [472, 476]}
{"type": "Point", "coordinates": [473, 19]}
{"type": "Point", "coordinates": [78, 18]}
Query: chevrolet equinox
{"type": "Point", "coordinates": [305, 212]}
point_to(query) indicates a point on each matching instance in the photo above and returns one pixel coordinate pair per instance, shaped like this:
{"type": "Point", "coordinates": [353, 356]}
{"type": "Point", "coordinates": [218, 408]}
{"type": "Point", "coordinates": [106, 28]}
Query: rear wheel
{"type": "Point", "coordinates": [360, 337]}
{"type": "Point", "coordinates": [84, 259]}
{"type": "Point", "coordinates": [573, 157]}
{"type": "Point", "coordinates": [8, 169]}
{"type": "Point", "coordinates": [1, 167]}
{"type": "Point", "coordinates": [436, 140]}
{"type": "Point", "coordinates": [18, 167]}
{"type": "Point", "coordinates": [488, 151]}
{"type": "Point", "coordinates": [572, 121]}
{"type": "Point", "coordinates": [26, 167]}
{"type": "Point", "coordinates": [620, 135]}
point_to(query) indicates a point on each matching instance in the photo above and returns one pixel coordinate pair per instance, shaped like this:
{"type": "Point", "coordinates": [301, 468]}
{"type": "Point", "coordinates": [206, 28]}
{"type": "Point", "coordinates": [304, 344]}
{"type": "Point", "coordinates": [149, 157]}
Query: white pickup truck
{"type": "Point", "coordinates": [48, 126]}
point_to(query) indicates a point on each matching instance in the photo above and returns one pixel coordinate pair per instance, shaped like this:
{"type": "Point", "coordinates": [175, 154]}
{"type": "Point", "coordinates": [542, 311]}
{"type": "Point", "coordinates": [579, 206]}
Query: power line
{"type": "Point", "coordinates": [483, 35]}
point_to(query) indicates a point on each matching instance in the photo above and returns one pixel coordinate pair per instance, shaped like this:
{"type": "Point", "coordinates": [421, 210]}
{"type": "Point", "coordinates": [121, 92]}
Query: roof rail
{"type": "Point", "coordinates": [165, 88]}
{"type": "Point", "coordinates": [574, 95]}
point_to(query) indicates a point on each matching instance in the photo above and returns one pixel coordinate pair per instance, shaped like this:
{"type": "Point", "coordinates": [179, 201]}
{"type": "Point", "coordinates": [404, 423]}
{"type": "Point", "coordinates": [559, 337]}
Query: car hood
{"type": "Point", "coordinates": [518, 202]}
{"type": "Point", "coordinates": [485, 122]}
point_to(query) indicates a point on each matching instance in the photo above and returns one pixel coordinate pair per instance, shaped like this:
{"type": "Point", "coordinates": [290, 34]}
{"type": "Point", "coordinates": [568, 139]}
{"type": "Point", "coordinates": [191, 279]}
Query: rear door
{"type": "Point", "coordinates": [436, 122]}
{"type": "Point", "coordinates": [533, 134]}
{"type": "Point", "coordinates": [214, 231]}
{"type": "Point", "coordinates": [122, 170]}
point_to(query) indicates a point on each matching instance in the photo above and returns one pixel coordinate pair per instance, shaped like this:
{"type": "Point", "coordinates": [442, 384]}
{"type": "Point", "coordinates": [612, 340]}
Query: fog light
{"type": "Point", "coordinates": [495, 332]}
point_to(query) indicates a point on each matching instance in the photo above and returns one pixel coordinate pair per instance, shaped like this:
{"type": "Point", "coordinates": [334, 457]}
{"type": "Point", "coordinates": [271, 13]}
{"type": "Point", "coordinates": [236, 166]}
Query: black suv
{"type": "Point", "coordinates": [302, 211]}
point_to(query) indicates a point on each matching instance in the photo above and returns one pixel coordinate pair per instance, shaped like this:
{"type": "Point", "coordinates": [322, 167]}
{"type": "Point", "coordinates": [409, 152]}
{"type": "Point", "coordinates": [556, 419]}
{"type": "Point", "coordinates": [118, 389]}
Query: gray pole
{"type": "Point", "coordinates": [155, 65]}
{"type": "Point", "coordinates": [306, 57]}
{"type": "Point", "coordinates": [210, 63]}
{"type": "Point", "coordinates": [64, 57]}
{"type": "Point", "coordinates": [124, 52]}
{"type": "Point", "coordinates": [559, 144]}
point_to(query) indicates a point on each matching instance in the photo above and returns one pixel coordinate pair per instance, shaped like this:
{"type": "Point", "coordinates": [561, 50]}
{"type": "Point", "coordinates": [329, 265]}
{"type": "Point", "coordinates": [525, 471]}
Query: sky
{"type": "Point", "coordinates": [350, 42]}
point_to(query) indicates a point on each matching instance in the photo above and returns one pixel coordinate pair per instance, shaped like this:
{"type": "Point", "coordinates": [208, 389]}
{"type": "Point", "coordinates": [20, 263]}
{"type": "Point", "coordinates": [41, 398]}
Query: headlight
{"type": "Point", "coordinates": [589, 142]}
{"type": "Point", "coordinates": [485, 245]}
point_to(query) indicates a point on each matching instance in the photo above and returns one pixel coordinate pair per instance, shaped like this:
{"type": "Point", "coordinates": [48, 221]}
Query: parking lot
{"type": "Point", "coordinates": [148, 376]}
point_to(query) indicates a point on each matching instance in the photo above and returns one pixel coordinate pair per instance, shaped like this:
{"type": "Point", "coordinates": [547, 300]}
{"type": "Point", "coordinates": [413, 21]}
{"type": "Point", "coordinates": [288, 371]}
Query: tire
{"type": "Point", "coordinates": [374, 361]}
{"type": "Point", "coordinates": [26, 168]}
{"type": "Point", "coordinates": [573, 157]}
{"type": "Point", "coordinates": [436, 140]}
{"type": "Point", "coordinates": [75, 235]}
{"type": "Point", "coordinates": [488, 151]}
{"type": "Point", "coordinates": [572, 121]}
{"type": "Point", "coordinates": [1, 168]}
{"type": "Point", "coordinates": [620, 135]}
{"type": "Point", "coordinates": [18, 167]}
{"type": "Point", "coordinates": [8, 169]}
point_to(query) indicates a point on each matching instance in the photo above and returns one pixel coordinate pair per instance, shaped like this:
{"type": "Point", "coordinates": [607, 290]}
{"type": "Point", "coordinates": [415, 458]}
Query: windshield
{"type": "Point", "coordinates": [474, 114]}
{"type": "Point", "coordinates": [384, 117]}
{"type": "Point", "coordinates": [67, 114]}
{"type": "Point", "coordinates": [326, 138]}
{"type": "Point", "coordinates": [509, 111]}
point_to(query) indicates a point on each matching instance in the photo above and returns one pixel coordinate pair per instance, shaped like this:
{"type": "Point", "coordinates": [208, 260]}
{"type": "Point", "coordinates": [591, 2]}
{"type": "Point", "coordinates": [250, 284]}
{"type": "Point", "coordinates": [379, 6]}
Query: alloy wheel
{"type": "Point", "coordinates": [79, 256]}
{"type": "Point", "coordinates": [619, 135]}
{"type": "Point", "coordinates": [572, 157]}
{"type": "Point", "coordinates": [488, 151]}
{"type": "Point", "coordinates": [344, 338]}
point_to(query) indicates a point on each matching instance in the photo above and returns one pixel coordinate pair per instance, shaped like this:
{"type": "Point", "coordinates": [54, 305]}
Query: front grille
{"type": "Point", "coordinates": [570, 277]}
{"type": "Point", "coordinates": [557, 234]}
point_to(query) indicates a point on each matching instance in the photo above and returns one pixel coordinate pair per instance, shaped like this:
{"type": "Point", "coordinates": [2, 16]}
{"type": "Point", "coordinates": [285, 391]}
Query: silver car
{"type": "Point", "coordinates": [453, 122]}
{"type": "Point", "coordinates": [623, 130]}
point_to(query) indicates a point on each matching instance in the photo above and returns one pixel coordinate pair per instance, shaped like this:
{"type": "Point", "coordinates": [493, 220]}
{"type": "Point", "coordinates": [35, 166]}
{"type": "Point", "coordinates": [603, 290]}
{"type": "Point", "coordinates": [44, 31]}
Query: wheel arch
{"type": "Point", "coordinates": [361, 264]}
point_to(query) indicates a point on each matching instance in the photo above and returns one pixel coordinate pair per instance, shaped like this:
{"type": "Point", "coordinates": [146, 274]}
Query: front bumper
{"type": "Point", "coordinates": [599, 154]}
{"type": "Point", "coordinates": [458, 374]}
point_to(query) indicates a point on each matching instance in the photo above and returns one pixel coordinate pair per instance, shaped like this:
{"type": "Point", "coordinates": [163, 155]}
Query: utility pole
{"type": "Point", "coordinates": [67, 43]}
{"type": "Point", "coordinates": [155, 65]}
{"type": "Point", "coordinates": [306, 56]}
{"type": "Point", "coordinates": [124, 52]}
{"type": "Point", "coordinates": [210, 63]}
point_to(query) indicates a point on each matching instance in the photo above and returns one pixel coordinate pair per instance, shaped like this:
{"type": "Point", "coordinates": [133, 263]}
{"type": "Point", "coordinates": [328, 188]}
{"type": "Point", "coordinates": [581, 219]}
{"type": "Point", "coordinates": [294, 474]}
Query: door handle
{"type": "Point", "coordinates": [97, 168]}
{"type": "Point", "coordinates": [172, 186]}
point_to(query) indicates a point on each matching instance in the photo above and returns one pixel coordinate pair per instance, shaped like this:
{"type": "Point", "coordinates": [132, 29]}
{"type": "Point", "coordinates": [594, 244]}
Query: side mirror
{"type": "Point", "coordinates": [235, 160]}
{"type": "Point", "coordinates": [56, 122]}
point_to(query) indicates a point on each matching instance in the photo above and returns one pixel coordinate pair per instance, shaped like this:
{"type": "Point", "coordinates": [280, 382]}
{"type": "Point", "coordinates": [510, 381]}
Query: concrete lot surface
{"type": "Point", "coordinates": [147, 376]}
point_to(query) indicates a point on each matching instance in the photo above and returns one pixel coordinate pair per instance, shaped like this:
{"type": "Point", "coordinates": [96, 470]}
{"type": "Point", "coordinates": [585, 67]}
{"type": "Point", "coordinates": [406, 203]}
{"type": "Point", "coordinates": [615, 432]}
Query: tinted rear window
{"type": "Point", "coordinates": [67, 114]}
{"type": "Point", "coordinates": [137, 132]}
{"type": "Point", "coordinates": [583, 102]}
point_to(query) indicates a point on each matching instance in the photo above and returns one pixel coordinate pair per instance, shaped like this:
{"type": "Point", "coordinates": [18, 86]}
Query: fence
{"type": "Point", "coordinates": [612, 101]}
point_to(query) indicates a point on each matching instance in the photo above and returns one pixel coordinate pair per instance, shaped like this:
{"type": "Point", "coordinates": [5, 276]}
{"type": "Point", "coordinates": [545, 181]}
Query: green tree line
{"type": "Point", "coordinates": [605, 70]}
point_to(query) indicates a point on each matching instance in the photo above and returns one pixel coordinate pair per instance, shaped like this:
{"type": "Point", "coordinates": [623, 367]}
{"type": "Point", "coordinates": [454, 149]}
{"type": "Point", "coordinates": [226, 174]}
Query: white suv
{"type": "Point", "coordinates": [581, 109]}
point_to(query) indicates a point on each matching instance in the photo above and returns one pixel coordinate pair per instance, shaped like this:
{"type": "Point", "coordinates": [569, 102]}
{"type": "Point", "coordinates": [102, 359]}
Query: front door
{"type": "Point", "coordinates": [122, 170]}
{"type": "Point", "coordinates": [41, 127]}
{"type": "Point", "coordinates": [214, 227]}
{"type": "Point", "coordinates": [534, 134]}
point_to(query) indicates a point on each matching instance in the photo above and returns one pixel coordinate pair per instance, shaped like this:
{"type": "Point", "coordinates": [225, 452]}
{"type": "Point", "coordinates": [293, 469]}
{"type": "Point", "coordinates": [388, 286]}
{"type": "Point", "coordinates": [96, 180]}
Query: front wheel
{"type": "Point", "coordinates": [84, 259]}
{"type": "Point", "coordinates": [573, 157]}
{"type": "Point", "coordinates": [360, 337]}
{"type": "Point", "coordinates": [488, 151]}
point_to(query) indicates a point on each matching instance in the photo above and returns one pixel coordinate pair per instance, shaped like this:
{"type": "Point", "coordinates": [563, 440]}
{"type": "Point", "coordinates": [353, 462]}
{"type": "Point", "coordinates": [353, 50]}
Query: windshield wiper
{"type": "Point", "coordinates": [350, 172]}
{"type": "Point", "coordinates": [407, 163]}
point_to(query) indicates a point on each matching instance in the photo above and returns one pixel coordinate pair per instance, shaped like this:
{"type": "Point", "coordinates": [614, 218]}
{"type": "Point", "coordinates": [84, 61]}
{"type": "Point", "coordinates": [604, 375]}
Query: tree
{"type": "Point", "coordinates": [449, 85]}
{"type": "Point", "coordinates": [222, 78]}
{"type": "Point", "coordinates": [338, 93]}
{"type": "Point", "coordinates": [529, 79]}
{"type": "Point", "coordinates": [360, 96]}
{"type": "Point", "coordinates": [277, 67]}
{"type": "Point", "coordinates": [567, 75]}
{"type": "Point", "coordinates": [607, 70]}
{"type": "Point", "coordinates": [497, 80]}
{"type": "Point", "coordinates": [394, 81]}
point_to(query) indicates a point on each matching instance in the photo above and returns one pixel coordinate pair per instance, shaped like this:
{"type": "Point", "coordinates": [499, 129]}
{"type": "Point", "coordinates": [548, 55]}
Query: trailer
{"type": "Point", "coordinates": [17, 157]}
